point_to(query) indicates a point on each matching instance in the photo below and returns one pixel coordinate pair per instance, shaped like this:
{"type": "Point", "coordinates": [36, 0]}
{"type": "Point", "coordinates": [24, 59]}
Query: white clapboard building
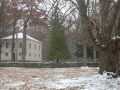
{"type": "Point", "coordinates": [33, 48]}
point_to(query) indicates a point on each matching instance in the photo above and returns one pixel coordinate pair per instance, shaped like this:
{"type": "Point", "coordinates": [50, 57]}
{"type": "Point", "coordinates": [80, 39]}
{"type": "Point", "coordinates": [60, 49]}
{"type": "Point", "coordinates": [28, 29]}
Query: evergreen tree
{"type": "Point", "coordinates": [58, 48]}
{"type": "Point", "coordinates": [79, 52]}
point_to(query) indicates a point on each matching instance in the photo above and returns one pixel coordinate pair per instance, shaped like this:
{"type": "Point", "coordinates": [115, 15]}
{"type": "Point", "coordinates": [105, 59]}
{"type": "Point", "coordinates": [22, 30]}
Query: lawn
{"type": "Point", "coordinates": [81, 78]}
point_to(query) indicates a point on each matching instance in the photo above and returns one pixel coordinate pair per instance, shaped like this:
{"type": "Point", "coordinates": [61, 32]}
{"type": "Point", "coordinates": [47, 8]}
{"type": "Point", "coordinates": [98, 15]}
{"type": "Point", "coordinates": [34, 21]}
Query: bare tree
{"type": "Point", "coordinates": [30, 4]}
{"type": "Point", "coordinates": [5, 21]}
{"type": "Point", "coordinates": [15, 15]}
{"type": "Point", "coordinates": [26, 17]}
{"type": "Point", "coordinates": [106, 23]}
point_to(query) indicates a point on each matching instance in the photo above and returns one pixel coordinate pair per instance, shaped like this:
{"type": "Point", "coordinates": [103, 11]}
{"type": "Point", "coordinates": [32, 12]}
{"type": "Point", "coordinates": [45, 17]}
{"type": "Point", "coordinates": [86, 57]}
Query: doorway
{"type": "Point", "coordinates": [13, 56]}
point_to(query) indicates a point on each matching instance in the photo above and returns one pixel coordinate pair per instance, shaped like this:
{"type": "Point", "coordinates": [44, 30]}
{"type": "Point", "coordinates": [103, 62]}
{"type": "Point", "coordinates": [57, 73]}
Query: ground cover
{"type": "Point", "coordinates": [81, 78]}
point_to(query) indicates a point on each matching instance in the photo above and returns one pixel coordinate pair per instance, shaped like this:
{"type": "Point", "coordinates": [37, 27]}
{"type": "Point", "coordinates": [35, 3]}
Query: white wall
{"type": "Point", "coordinates": [6, 50]}
{"type": "Point", "coordinates": [32, 54]}
{"type": "Point", "coordinates": [18, 51]}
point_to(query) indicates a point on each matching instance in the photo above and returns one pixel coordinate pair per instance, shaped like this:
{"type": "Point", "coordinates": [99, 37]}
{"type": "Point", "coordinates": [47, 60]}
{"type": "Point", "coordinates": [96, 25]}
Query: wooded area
{"type": "Point", "coordinates": [94, 24]}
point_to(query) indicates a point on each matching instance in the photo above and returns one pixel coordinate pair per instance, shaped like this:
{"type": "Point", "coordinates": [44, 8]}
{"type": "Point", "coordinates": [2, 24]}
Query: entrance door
{"type": "Point", "coordinates": [13, 56]}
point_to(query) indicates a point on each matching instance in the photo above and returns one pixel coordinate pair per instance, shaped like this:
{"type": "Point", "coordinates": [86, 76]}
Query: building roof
{"type": "Point", "coordinates": [20, 36]}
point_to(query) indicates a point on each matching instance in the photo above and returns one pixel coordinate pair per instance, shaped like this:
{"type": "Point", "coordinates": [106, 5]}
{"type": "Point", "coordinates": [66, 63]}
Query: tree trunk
{"type": "Point", "coordinates": [24, 42]}
{"type": "Point", "coordinates": [0, 52]}
{"type": "Point", "coordinates": [58, 61]}
{"type": "Point", "coordinates": [94, 52]}
{"type": "Point", "coordinates": [109, 62]}
{"type": "Point", "coordinates": [13, 43]}
{"type": "Point", "coordinates": [24, 35]}
{"type": "Point", "coordinates": [12, 47]}
{"type": "Point", "coordinates": [84, 53]}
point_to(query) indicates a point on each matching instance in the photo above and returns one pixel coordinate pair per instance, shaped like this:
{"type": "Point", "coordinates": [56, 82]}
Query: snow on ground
{"type": "Point", "coordinates": [83, 78]}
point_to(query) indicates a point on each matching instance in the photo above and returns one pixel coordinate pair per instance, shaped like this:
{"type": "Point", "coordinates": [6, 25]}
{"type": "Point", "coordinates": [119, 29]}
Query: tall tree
{"type": "Point", "coordinates": [5, 21]}
{"type": "Point", "coordinates": [105, 21]}
{"type": "Point", "coordinates": [26, 18]}
{"type": "Point", "coordinates": [58, 49]}
{"type": "Point", "coordinates": [15, 16]}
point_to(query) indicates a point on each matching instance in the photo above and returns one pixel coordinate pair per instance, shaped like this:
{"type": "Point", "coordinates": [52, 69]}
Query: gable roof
{"type": "Point", "coordinates": [20, 36]}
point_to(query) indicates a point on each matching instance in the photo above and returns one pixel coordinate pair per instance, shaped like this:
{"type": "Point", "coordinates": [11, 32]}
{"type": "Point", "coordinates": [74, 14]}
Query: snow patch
{"type": "Point", "coordinates": [115, 37]}
{"type": "Point", "coordinates": [84, 67]}
{"type": "Point", "coordinates": [102, 45]}
{"type": "Point", "coordinates": [81, 78]}
{"type": "Point", "coordinates": [15, 84]}
{"type": "Point", "coordinates": [20, 36]}
{"type": "Point", "coordinates": [96, 82]}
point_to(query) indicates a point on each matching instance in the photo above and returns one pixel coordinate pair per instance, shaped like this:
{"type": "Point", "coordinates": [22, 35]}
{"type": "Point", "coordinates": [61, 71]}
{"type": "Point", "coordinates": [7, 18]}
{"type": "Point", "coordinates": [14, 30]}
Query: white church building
{"type": "Point", "coordinates": [33, 48]}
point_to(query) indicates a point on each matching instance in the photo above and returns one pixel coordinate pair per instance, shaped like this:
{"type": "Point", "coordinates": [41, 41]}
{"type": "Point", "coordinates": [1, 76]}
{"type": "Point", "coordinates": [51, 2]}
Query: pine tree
{"type": "Point", "coordinates": [79, 52]}
{"type": "Point", "coordinates": [58, 48]}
